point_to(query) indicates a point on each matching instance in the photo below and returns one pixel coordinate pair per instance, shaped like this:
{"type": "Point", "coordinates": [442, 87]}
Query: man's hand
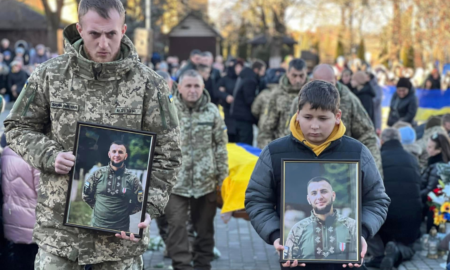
{"type": "Point", "coordinates": [363, 253]}
{"type": "Point", "coordinates": [14, 88]}
{"type": "Point", "coordinates": [143, 225]}
{"type": "Point", "coordinates": [230, 99]}
{"type": "Point", "coordinates": [279, 248]}
{"type": "Point", "coordinates": [64, 162]}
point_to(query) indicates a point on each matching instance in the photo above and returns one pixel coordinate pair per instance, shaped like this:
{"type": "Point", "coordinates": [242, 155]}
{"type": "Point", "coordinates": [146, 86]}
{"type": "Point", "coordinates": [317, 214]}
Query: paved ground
{"type": "Point", "coordinates": [242, 249]}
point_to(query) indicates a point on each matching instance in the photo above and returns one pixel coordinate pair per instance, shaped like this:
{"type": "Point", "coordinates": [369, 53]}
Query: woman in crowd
{"type": "Point", "coordinates": [404, 103]}
{"type": "Point", "coordinates": [346, 78]}
{"type": "Point", "coordinates": [438, 148]}
{"type": "Point", "coordinates": [362, 89]}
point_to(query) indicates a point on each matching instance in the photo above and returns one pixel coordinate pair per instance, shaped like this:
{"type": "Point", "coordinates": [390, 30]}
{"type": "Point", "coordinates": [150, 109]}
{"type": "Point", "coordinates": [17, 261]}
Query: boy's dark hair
{"type": "Point", "coordinates": [320, 95]}
{"type": "Point", "coordinates": [297, 63]}
{"type": "Point", "coordinates": [118, 142]}
{"type": "Point", "coordinates": [318, 179]}
{"type": "Point", "coordinates": [258, 64]}
{"type": "Point", "coordinates": [446, 118]}
{"type": "Point", "coordinates": [195, 52]}
{"type": "Point", "coordinates": [102, 7]}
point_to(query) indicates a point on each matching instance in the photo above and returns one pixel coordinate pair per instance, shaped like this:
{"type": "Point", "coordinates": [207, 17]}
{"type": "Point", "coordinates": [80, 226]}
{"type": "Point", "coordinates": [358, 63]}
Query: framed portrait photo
{"type": "Point", "coordinates": [321, 211]}
{"type": "Point", "coordinates": [109, 182]}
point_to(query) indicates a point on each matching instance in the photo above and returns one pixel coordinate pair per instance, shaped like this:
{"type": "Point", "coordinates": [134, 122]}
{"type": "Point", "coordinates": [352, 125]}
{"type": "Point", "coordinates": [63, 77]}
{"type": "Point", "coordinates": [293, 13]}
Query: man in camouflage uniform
{"type": "Point", "coordinates": [277, 110]}
{"type": "Point", "coordinates": [258, 110]}
{"type": "Point", "coordinates": [113, 192]}
{"type": "Point", "coordinates": [325, 234]}
{"type": "Point", "coordinates": [356, 120]}
{"type": "Point", "coordinates": [100, 80]}
{"type": "Point", "coordinates": [204, 167]}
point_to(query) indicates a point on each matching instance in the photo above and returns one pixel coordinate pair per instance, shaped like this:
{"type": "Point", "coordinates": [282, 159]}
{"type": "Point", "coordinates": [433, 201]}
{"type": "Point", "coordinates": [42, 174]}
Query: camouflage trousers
{"type": "Point", "coordinates": [48, 261]}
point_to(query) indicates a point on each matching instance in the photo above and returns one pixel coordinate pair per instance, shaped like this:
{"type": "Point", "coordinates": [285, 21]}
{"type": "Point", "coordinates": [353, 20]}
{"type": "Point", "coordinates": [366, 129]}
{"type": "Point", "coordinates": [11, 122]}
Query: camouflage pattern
{"type": "Point", "coordinates": [422, 143]}
{"type": "Point", "coordinates": [48, 261]}
{"type": "Point", "coordinates": [277, 111]}
{"type": "Point", "coordinates": [356, 120]}
{"type": "Point", "coordinates": [312, 238]}
{"type": "Point", "coordinates": [42, 123]}
{"type": "Point", "coordinates": [258, 111]}
{"type": "Point", "coordinates": [203, 148]}
{"type": "Point", "coordinates": [114, 196]}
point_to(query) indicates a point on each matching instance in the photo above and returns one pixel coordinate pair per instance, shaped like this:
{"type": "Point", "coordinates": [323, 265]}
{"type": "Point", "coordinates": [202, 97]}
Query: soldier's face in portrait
{"type": "Point", "coordinates": [102, 37]}
{"type": "Point", "coordinates": [191, 88]}
{"type": "Point", "coordinates": [321, 197]}
{"type": "Point", "coordinates": [117, 154]}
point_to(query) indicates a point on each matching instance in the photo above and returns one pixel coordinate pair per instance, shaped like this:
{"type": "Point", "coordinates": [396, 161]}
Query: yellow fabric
{"type": "Point", "coordinates": [241, 164]}
{"type": "Point", "coordinates": [337, 133]}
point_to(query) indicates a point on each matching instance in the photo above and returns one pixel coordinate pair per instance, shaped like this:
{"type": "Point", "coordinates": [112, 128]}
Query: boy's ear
{"type": "Point", "coordinates": [338, 117]}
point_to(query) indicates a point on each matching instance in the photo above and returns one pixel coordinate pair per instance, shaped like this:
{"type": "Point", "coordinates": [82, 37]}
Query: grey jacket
{"type": "Point", "coordinates": [262, 198]}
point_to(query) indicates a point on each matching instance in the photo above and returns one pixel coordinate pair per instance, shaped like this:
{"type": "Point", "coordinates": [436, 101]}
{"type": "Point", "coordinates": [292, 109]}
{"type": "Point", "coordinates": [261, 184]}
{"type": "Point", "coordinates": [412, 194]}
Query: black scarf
{"type": "Point", "coordinates": [435, 159]}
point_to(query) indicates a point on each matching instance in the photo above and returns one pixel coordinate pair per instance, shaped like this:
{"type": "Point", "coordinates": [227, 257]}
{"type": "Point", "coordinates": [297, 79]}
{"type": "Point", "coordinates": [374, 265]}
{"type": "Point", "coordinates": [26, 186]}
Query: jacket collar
{"type": "Point", "coordinates": [98, 71]}
{"type": "Point", "coordinates": [391, 145]}
{"type": "Point", "coordinates": [119, 171]}
{"type": "Point", "coordinates": [286, 86]}
{"type": "Point", "coordinates": [332, 145]}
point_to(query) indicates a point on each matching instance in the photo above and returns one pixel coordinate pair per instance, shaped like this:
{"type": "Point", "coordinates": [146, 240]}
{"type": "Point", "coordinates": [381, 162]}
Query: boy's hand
{"type": "Point", "coordinates": [363, 253]}
{"type": "Point", "coordinates": [279, 248]}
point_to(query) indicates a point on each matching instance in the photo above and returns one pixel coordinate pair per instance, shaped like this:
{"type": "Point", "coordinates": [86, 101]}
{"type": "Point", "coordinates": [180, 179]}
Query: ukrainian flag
{"type": "Point", "coordinates": [242, 159]}
{"type": "Point", "coordinates": [431, 102]}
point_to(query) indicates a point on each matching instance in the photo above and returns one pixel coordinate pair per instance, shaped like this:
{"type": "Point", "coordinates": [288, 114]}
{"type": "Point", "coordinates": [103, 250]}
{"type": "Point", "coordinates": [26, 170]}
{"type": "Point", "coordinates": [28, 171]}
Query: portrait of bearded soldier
{"type": "Point", "coordinates": [325, 234]}
{"type": "Point", "coordinates": [113, 192]}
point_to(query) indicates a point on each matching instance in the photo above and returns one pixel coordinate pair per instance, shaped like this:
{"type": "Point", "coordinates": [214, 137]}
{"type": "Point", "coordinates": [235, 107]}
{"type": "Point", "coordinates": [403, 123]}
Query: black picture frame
{"type": "Point", "coordinates": [109, 130]}
{"type": "Point", "coordinates": [305, 173]}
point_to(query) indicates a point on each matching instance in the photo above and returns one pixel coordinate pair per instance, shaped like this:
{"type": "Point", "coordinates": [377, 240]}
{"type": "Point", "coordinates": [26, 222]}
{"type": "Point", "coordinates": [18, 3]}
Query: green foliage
{"type": "Point", "coordinates": [139, 151]}
{"type": "Point", "coordinates": [243, 46]}
{"type": "Point", "coordinates": [80, 212]}
{"type": "Point", "coordinates": [339, 174]}
{"type": "Point", "coordinates": [407, 56]}
{"type": "Point", "coordinates": [362, 50]}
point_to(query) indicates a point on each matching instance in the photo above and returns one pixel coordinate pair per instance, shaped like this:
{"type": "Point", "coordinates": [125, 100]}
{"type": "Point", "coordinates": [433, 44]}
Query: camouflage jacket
{"type": "Point", "coordinates": [277, 111]}
{"type": "Point", "coordinates": [42, 123]}
{"type": "Point", "coordinates": [356, 120]}
{"type": "Point", "coordinates": [114, 196]}
{"type": "Point", "coordinates": [203, 148]}
{"type": "Point", "coordinates": [312, 238]}
{"type": "Point", "coordinates": [258, 110]}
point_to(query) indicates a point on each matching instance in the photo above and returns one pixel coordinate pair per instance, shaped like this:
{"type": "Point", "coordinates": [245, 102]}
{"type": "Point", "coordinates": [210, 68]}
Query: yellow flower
{"type": "Point", "coordinates": [438, 218]}
{"type": "Point", "coordinates": [445, 208]}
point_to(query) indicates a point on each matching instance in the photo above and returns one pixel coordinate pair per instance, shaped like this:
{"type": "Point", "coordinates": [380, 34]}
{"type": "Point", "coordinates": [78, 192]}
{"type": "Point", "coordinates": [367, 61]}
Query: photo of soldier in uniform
{"type": "Point", "coordinates": [109, 179]}
{"type": "Point", "coordinates": [321, 211]}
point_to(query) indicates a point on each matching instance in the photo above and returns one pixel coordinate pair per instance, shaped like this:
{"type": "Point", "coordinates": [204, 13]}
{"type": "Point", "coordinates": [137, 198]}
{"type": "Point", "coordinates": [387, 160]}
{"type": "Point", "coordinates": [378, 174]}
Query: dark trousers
{"type": "Point", "coordinates": [19, 256]}
{"type": "Point", "coordinates": [244, 132]}
{"type": "Point", "coordinates": [203, 211]}
{"type": "Point", "coordinates": [375, 247]}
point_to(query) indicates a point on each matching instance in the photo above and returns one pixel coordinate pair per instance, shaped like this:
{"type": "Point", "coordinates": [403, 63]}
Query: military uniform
{"type": "Point", "coordinates": [356, 120]}
{"type": "Point", "coordinates": [277, 112]}
{"type": "Point", "coordinates": [258, 110]}
{"type": "Point", "coordinates": [70, 88]}
{"type": "Point", "coordinates": [204, 167]}
{"type": "Point", "coordinates": [312, 239]}
{"type": "Point", "coordinates": [114, 196]}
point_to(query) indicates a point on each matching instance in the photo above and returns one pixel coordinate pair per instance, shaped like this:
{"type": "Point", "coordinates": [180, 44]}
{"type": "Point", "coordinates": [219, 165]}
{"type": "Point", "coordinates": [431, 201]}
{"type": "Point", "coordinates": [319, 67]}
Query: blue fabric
{"type": "Point", "coordinates": [252, 150]}
{"type": "Point", "coordinates": [428, 99]}
{"type": "Point", "coordinates": [408, 135]}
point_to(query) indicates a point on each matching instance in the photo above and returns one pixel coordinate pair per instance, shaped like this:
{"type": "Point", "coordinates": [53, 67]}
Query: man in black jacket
{"type": "Point", "coordinates": [194, 60]}
{"type": "Point", "coordinates": [317, 132]}
{"type": "Point", "coordinates": [393, 243]}
{"type": "Point", "coordinates": [244, 94]}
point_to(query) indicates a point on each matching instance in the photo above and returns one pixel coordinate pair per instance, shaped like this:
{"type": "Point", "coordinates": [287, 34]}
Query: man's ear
{"type": "Point", "coordinates": [126, 156]}
{"type": "Point", "coordinates": [124, 29]}
{"type": "Point", "coordinates": [307, 198]}
{"type": "Point", "coordinates": [79, 28]}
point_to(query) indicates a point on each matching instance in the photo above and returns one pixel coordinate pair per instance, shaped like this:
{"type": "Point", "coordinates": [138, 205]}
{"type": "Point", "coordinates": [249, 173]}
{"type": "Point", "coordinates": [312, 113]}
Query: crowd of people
{"type": "Point", "coordinates": [331, 111]}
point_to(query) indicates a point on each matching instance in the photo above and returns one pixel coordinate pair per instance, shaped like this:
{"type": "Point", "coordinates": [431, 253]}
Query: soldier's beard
{"type": "Point", "coordinates": [117, 165]}
{"type": "Point", "coordinates": [324, 210]}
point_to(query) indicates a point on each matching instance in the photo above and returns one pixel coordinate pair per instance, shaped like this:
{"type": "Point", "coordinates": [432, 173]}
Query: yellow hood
{"type": "Point", "coordinates": [337, 133]}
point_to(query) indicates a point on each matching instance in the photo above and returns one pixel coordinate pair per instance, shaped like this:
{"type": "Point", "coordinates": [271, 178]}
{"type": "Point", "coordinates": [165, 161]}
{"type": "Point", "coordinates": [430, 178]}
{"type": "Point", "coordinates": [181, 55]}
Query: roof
{"type": "Point", "coordinates": [19, 16]}
{"type": "Point", "coordinates": [192, 25]}
{"type": "Point", "coordinates": [262, 39]}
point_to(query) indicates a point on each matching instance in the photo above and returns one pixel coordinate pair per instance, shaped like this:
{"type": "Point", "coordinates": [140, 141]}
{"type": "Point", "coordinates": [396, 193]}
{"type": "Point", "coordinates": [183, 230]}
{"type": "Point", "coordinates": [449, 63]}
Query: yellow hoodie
{"type": "Point", "coordinates": [337, 133]}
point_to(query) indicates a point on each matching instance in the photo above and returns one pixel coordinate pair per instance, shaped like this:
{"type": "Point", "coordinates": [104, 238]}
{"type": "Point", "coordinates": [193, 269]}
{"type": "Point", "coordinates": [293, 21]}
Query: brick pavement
{"type": "Point", "coordinates": [242, 249]}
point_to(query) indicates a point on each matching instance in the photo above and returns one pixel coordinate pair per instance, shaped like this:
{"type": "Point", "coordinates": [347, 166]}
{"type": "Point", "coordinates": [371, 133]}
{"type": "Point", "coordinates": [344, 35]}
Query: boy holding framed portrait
{"type": "Point", "coordinates": [328, 181]}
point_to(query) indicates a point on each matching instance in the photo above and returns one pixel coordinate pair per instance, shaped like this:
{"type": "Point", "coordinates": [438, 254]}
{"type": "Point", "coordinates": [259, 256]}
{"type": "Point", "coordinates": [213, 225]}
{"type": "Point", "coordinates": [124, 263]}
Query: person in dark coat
{"type": "Point", "coordinates": [4, 47]}
{"type": "Point", "coordinates": [346, 79]}
{"type": "Point", "coordinates": [404, 103]}
{"type": "Point", "coordinates": [224, 93]}
{"type": "Point", "coordinates": [433, 81]}
{"type": "Point", "coordinates": [194, 60]}
{"type": "Point", "coordinates": [207, 59]}
{"type": "Point", "coordinates": [393, 243]}
{"type": "Point", "coordinates": [244, 94]}
{"type": "Point", "coordinates": [40, 56]}
{"type": "Point", "coordinates": [16, 79]}
{"type": "Point", "coordinates": [438, 149]}
{"type": "Point", "coordinates": [364, 91]}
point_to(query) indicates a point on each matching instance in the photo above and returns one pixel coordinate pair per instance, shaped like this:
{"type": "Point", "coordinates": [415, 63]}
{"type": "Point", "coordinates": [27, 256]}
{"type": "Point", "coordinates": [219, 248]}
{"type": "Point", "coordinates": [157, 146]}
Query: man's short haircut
{"type": "Point", "coordinates": [202, 67]}
{"type": "Point", "coordinates": [390, 134]}
{"type": "Point", "coordinates": [102, 7]}
{"type": "Point", "coordinates": [446, 118]}
{"type": "Point", "coordinates": [190, 73]}
{"type": "Point", "coordinates": [163, 74]}
{"type": "Point", "coordinates": [320, 95]}
{"type": "Point", "coordinates": [401, 124]}
{"type": "Point", "coordinates": [258, 64]}
{"type": "Point", "coordinates": [119, 142]}
{"type": "Point", "coordinates": [318, 179]}
{"type": "Point", "coordinates": [195, 52]}
{"type": "Point", "coordinates": [207, 54]}
{"type": "Point", "coordinates": [297, 63]}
